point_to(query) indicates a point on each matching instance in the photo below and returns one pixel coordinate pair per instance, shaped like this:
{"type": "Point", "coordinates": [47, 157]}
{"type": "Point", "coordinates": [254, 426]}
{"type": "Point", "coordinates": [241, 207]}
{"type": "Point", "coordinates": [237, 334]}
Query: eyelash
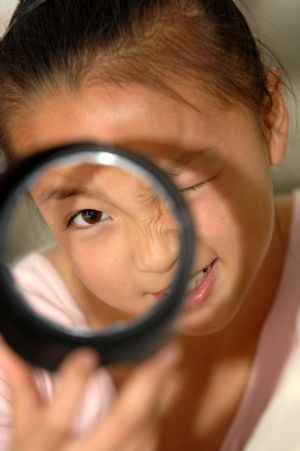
{"type": "Point", "coordinates": [69, 223]}
{"type": "Point", "coordinates": [194, 187]}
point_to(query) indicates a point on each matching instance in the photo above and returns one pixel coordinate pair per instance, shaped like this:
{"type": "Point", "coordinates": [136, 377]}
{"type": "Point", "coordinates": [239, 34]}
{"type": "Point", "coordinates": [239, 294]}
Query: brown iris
{"type": "Point", "coordinates": [91, 216]}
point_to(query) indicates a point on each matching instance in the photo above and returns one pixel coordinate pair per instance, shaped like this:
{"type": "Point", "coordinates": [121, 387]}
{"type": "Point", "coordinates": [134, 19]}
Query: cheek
{"type": "Point", "coordinates": [100, 260]}
{"type": "Point", "coordinates": [102, 269]}
{"type": "Point", "coordinates": [92, 260]}
{"type": "Point", "coordinates": [234, 217]}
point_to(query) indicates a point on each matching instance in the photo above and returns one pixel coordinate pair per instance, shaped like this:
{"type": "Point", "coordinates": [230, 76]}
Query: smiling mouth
{"type": "Point", "coordinates": [198, 278]}
{"type": "Point", "coordinates": [194, 282]}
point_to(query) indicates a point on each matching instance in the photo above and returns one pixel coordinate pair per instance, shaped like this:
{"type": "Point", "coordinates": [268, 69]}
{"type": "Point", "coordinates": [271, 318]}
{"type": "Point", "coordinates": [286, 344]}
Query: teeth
{"type": "Point", "coordinates": [194, 283]}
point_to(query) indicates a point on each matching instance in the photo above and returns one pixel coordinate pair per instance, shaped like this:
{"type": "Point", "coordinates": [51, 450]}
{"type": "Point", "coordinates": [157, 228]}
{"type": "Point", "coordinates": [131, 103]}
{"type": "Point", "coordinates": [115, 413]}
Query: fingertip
{"type": "Point", "coordinates": [169, 355]}
{"type": "Point", "coordinates": [7, 355]}
{"type": "Point", "coordinates": [4, 348]}
{"type": "Point", "coordinates": [83, 359]}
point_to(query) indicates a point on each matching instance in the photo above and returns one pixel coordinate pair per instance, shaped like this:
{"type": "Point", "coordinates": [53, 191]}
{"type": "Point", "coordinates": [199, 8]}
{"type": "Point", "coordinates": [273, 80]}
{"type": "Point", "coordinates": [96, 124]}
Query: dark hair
{"type": "Point", "coordinates": [145, 41]}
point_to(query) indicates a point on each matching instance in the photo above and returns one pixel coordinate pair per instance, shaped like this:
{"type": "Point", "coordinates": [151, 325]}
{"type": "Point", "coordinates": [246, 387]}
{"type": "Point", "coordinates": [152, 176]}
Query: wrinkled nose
{"type": "Point", "coordinates": [154, 243]}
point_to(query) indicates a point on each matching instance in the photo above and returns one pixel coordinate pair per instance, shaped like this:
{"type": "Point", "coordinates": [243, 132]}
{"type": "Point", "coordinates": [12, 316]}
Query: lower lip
{"type": "Point", "coordinates": [199, 295]}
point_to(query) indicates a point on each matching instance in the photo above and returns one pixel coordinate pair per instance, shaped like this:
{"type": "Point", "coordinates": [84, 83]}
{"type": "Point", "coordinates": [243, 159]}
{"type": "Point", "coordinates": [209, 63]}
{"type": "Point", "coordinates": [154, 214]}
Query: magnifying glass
{"type": "Point", "coordinates": [103, 256]}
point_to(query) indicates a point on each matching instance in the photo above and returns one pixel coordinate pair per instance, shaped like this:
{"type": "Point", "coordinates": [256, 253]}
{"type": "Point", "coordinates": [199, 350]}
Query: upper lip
{"type": "Point", "coordinates": [196, 273]}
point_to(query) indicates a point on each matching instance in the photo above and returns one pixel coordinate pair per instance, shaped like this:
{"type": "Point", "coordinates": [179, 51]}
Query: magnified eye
{"type": "Point", "coordinates": [86, 218]}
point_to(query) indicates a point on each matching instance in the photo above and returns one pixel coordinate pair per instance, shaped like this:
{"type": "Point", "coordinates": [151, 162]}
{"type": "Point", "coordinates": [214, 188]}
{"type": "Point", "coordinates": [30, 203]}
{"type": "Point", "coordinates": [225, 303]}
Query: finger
{"type": "Point", "coordinates": [147, 440]}
{"type": "Point", "coordinates": [137, 442]}
{"type": "Point", "coordinates": [26, 399]}
{"type": "Point", "coordinates": [73, 377]}
{"type": "Point", "coordinates": [137, 406]}
{"type": "Point", "coordinates": [171, 391]}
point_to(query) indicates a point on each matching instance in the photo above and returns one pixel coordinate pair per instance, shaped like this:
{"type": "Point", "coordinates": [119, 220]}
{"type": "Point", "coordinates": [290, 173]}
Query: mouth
{"type": "Point", "coordinates": [195, 281]}
{"type": "Point", "coordinates": [198, 278]}
{"type": "Point", "coordinates": [200, 286]}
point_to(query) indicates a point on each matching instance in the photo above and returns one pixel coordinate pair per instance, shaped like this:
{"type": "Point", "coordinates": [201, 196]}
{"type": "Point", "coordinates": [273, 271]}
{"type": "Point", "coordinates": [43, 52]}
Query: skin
{"type": "Point", "coordinates": [235, 218]}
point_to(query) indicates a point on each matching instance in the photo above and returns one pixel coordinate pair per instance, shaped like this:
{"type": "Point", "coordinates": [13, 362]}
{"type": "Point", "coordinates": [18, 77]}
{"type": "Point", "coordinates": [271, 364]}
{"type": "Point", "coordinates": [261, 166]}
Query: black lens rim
{"type": "Point", "coordinates": [43, 343]}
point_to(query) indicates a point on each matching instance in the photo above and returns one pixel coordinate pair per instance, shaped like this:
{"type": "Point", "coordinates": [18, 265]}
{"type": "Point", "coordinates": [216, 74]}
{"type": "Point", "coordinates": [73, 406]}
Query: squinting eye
{"type": "Point", "coordinates": [87, 218]}
{"type": "Point", "coordinates": [193, 187]}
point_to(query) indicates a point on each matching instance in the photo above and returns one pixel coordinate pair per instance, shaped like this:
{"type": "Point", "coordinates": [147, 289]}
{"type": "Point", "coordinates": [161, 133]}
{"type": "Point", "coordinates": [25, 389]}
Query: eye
{"type": "Point", "coordinates": [86, 218]}
{"type": "Point", "coordinates": [194, 187]}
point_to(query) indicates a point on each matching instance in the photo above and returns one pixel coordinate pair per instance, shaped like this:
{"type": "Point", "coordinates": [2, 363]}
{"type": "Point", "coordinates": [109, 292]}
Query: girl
{"type": "Point", "coordinates": [165, 78]}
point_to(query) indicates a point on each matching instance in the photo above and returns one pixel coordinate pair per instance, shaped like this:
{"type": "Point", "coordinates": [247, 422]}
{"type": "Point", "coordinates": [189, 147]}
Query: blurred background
{"type": "Point", "coordinates": [277, 23]}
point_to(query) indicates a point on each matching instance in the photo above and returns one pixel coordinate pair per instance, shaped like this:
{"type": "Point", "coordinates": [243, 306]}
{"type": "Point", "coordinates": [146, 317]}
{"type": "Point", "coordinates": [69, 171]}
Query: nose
{"type": "Point", "coordinates": [154, 241]}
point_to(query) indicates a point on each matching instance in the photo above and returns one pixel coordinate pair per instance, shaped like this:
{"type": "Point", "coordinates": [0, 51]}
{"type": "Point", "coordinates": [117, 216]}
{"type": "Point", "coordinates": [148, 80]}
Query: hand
{"type": "Point", "coordinates": [131, 424]}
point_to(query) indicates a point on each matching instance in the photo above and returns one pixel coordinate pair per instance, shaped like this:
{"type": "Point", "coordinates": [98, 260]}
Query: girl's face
{"type": "Point", "coordinates": [224, 174]}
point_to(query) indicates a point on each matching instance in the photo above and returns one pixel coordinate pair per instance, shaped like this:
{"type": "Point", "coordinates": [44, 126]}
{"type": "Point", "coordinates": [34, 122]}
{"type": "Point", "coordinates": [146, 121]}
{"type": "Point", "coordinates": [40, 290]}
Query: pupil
{"type": "Point", "coordinates": [92, 216]}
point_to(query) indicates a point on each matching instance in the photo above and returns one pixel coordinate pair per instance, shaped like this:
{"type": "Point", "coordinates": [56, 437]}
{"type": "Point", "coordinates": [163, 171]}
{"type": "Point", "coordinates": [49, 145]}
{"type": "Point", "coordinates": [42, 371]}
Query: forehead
{"type": "Point", "coordinates": [130, 116]}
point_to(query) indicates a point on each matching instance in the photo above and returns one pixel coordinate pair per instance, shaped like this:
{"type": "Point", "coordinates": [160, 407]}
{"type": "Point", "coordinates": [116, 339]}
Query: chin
{"type": "Point", "coordinates": [197, 330]}
{"type": "Point", "coordinates": [206, 321]}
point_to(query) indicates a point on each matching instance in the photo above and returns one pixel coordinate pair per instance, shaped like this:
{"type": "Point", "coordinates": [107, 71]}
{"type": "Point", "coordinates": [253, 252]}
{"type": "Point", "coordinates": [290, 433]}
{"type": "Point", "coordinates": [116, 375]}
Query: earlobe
{"type": "Point", "coordinates": [276, 119]}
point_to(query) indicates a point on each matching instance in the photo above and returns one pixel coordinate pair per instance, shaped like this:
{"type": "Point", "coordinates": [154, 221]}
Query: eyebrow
{"type": "Point", "coordinates": [59, 193]}
{"type": "Point", "coordinates": [189, 159]}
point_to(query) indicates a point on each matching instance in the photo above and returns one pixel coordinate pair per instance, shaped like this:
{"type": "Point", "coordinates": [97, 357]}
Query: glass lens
{"type": "Point", "coordinates": [92, 245]}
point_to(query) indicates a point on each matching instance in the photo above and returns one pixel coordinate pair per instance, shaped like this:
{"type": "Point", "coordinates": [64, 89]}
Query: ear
{"type": "Point", "coordinates": [276, 119]}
